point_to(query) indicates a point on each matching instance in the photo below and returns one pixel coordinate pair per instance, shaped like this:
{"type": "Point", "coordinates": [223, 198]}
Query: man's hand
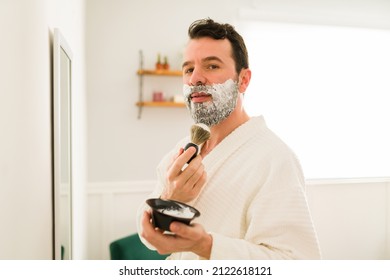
{"type": "Point", "coordinates": [184, 185]}
{"type": "Point", "coordinates": [192, 238]}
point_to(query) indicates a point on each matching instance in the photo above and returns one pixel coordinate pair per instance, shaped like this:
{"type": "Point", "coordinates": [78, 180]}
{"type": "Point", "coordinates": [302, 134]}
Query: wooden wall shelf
{"type": "Point", "coordinates": [176, 73]}
{"type": "Point", "coordinates": [142, 73]}
{"type": "Point", "coordinates": [160, 104]}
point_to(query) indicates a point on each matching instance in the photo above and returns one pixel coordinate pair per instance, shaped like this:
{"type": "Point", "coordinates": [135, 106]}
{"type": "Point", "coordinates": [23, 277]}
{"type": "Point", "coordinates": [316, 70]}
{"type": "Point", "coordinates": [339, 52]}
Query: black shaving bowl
{"type": "Point", "coordinates": [164, 212]}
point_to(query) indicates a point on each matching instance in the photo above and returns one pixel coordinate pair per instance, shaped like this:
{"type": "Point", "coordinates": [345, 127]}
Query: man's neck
{"type": "Point", "coordinates": [223, 129]}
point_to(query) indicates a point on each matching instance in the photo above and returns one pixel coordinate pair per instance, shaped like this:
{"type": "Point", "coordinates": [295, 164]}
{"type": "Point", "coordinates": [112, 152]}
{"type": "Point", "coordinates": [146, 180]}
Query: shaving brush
{"type": "Point", "coordinates": [200, 133]}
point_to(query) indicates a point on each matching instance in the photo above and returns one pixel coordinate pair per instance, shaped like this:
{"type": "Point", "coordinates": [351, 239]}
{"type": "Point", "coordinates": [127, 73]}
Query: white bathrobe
{"type": "Point", "coordinates": [254, 203]}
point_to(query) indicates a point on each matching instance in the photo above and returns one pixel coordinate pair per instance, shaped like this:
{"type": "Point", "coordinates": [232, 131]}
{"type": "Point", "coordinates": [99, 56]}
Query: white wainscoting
{"type": "Point", "coordinates": [352, 216]}
{"type": "Point", "coordinates": [112, 209]}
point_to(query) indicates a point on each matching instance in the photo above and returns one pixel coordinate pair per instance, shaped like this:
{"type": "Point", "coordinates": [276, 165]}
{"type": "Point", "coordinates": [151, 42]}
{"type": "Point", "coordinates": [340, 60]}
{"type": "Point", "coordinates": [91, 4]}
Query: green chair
{"type": "Point", "coordinates": [131, 248]}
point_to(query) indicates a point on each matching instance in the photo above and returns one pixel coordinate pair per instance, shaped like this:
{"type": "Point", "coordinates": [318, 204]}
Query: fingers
{"type": "Point", "coordinates": [146, 223]}
{"type": "Point", "coordinates": [193, 171]}
{"type": "Point", "coordinates": [185, 185]}
{"type": "Point", "coordinates": [189, 232]}
{"type": "Point", "coordinates": [185, 238]}
{"type": "Point", "coordinates": [192, 238]}
{"type": "Point", "coordinates": [180, 160]}
{"type": "Point", "coordinates": [195, 177]}
{"type": "Point", "coordinates": [200, 182]}
{"type": "Point", "coordinates": [181, 150]}
{"type": "Point", "coordinates": [151, 234]}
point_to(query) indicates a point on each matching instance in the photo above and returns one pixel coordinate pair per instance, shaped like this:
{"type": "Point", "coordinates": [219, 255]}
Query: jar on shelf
{"type": "Point", "coordinates": [158, 96]}
{"type": "Point", "coordinates": [159, 65]}
{"type": "Point", "coordinates": [166, 64]}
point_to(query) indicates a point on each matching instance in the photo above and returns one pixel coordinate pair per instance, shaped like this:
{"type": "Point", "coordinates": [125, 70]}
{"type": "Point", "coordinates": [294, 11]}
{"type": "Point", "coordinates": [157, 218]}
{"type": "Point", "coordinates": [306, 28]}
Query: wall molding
{"type": "Point", "coordinates": [341, 181]}
{"type": "Point", "coordinates": [145, 186]}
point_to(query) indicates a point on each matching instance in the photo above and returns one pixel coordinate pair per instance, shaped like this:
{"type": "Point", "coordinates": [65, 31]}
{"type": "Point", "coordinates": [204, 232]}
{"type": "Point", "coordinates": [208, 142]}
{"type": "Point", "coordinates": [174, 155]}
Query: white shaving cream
{"type": "Point", "coordinates": [224, 100]}
{"type": "Point", "coordinates": [183, 212]}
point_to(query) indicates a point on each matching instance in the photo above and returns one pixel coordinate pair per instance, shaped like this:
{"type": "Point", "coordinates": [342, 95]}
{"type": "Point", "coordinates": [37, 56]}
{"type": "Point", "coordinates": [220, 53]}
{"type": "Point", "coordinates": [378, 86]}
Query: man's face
{"type": "Point", "coordinates": [210, 80]}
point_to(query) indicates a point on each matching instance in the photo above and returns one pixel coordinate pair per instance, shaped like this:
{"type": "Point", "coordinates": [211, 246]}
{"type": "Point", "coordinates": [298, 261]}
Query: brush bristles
{"type": "Point", "coordinates": [200, 133]}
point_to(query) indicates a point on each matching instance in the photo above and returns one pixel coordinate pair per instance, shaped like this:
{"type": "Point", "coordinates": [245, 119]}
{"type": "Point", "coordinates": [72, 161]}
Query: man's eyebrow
{"type": "Point", "coordinates": [206, 59]}
{"type": "Point", "coordinates": [211, 58]}
{"type": "Point", "coordinates": [186, 63]}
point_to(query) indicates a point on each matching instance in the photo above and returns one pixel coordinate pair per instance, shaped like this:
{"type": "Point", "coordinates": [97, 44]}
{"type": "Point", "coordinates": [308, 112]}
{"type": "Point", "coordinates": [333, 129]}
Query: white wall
{"type": "Point", "coordinates": [25, 132]}
{"type": "Point", "coordinates": [352, 217]}
{"type": "Point", "coordinates": [26, 28]}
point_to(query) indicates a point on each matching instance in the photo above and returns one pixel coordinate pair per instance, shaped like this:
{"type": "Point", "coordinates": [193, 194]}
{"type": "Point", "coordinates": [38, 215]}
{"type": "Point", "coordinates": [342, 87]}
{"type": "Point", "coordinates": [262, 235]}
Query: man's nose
{"type": "Point", "coordinates": [197, 78]}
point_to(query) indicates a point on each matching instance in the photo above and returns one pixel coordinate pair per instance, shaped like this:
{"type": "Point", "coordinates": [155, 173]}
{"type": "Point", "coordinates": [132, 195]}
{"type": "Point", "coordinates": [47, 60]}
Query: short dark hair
{"type": "Point", "coordinates": [209, 28]}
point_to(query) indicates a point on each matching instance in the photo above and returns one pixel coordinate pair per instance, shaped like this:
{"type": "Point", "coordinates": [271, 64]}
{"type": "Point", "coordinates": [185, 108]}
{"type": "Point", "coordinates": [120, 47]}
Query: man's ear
{"type": "Point", "coordinates": [244, 79]}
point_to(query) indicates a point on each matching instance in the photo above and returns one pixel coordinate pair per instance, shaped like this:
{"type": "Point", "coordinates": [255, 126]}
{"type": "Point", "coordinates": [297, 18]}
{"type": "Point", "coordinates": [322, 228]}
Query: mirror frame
{"type": "Point", "coordinates": [60, 45]}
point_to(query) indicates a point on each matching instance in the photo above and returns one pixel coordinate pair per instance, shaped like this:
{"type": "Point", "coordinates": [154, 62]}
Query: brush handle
{"type": "Point", "coordinates": [196, 153]}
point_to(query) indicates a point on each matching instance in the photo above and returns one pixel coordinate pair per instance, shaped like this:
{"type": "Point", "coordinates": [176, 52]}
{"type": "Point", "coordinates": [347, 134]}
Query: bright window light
{"type": "Point", "coordinates": [325, 91]}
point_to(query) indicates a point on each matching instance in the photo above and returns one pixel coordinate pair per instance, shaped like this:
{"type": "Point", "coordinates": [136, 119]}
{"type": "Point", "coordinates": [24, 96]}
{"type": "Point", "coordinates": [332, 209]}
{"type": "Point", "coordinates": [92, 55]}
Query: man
{"type": "Point", "coordinates": [246, 183]}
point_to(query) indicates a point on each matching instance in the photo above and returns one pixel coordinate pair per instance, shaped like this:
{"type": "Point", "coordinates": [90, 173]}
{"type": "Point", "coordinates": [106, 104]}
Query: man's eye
{"type": "Point", "coordinates": [213, 66]}
{"type": "Point", "coordinates": [188, 70]}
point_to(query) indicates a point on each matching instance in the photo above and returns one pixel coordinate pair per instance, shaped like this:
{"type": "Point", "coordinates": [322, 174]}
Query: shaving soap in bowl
{"type": "Point", "coordinates": [164, 212]}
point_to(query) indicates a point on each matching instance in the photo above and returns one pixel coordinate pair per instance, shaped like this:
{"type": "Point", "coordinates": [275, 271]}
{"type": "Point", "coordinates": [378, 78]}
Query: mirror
{"type": "Point", "coordinates": [62, 129]}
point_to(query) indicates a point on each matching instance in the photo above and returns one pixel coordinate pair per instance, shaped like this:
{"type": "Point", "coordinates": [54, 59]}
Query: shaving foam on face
{"type": "Point", "coordinates": [224, 100]}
